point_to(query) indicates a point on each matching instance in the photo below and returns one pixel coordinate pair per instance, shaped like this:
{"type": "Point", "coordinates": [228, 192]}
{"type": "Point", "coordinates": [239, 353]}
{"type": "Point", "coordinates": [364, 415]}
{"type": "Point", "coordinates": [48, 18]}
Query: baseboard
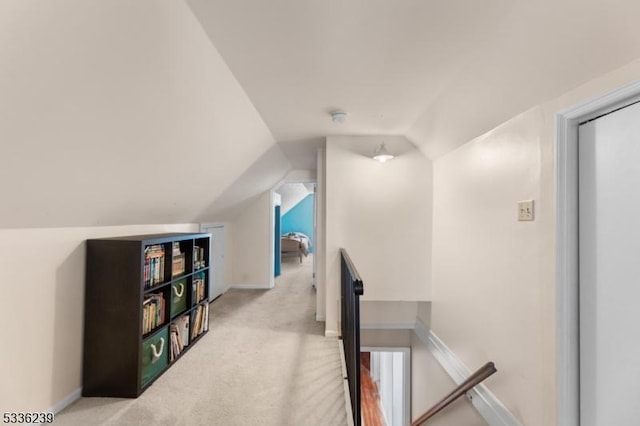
{"type": "Point", "coordinates": [387, 326]}
{"type": "Point", "coordinates": [66, 401]}
{"type": "Point", "coordinates": [250, 287]}
{"type": "Point", "coordinates": [331, 333]}
{"type": "Point", "coordinates": [485, 402]}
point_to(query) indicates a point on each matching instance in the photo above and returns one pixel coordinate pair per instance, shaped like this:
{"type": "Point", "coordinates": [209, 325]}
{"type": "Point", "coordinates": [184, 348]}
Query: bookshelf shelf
{"type": "Point", "coordinates": [146, 304]}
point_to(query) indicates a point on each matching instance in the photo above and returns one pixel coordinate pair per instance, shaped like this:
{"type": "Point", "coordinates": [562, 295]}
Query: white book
{"type": "Point", "coordinates": [183, 325]}
{"type": "Point", "coordinates": [206, 317]}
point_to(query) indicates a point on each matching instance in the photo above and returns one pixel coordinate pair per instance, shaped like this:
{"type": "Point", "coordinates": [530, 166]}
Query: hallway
{"type": "Point", "coordinates": [265, 361]}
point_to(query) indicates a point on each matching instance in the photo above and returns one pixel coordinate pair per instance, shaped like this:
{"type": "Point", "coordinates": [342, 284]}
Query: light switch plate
{"type": "Point", "coordinates": [525, 210]}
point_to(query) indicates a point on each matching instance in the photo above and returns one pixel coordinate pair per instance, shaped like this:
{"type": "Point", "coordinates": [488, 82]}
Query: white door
{"type": "Point", "coordinates": [216, 275]}
{"type": "Point", "coordinates": [609, 253]}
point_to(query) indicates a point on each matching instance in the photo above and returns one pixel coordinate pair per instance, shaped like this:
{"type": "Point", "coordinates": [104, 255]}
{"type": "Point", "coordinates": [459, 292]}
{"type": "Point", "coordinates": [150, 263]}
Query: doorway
{"type": "Point", "coordinates": [295, 227]}
{"type": "Point", "coordinates": [385, 386]}
{"type": "Point", "coordinates": [593, 290]}
{"type": "Point", "coordinates": [609, 259]}
{"type": "Point", "coordinates": [217, 285]}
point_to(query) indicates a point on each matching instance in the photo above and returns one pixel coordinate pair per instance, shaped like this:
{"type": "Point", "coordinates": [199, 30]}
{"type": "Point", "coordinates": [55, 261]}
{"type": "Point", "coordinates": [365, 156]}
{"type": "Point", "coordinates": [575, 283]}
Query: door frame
{"type": "Point", "coordinates": [406, 379]}
{"type": "Point", "coordinates": [277, 225]}
{"type": "Point", "coordinates": [315, 224]}
{"type": "Point", "coordinates": [205, 227]}
{"type": "Point", "coordinates": [567, 285]}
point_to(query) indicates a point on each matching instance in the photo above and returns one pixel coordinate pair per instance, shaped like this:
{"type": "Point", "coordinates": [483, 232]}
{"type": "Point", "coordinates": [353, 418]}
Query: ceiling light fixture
{"type": "Point", "coordinates": [338, 116]}
{"type": "Point", "coordinates": [381, 154]}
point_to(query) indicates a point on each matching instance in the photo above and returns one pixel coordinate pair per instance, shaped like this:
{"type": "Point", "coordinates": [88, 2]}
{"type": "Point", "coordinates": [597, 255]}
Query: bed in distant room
{"type": "Point", "coordinates": [295, 244]}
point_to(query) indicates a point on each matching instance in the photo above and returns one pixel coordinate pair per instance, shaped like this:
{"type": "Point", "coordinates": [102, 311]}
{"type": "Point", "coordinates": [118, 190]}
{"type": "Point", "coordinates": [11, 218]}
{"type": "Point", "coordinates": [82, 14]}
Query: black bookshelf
{"type": "Point", "coordinates": [143, 293]}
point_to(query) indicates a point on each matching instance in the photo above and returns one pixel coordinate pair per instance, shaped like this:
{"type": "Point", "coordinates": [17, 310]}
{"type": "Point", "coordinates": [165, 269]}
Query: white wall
{"type": "Point", "coordinates": [42, 308]}
{"type": "Point", "coordinates": [489, 269]}
{"type": "Point", "coordinates": [381, 213]}
{"type": "Point", "coordinates": [389, 338]}
{"type": "Point", "coordinates": [494, 277]}
{"type": "Point", "coordinates": [117, 112]}
{"type": "Point", "coordinates": [388, 314]}
{"type": "Point", "coordinates": [251, 243]}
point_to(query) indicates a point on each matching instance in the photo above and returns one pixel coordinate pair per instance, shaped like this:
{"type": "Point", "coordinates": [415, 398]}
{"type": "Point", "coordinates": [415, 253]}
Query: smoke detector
{"type": "Point", "coordinates": [338, 116]}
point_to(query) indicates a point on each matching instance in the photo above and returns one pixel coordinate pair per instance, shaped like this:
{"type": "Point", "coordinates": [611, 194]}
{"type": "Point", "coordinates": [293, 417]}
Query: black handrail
{"type": "Point", "coordinates": [352, 289]}
{"type": "Point", "coordinates": [483, 372]}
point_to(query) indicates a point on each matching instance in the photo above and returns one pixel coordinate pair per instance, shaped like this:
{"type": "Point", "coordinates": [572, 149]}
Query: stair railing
{"type": "Point", "coordinates": [351, 290]}
{"type": "Point", "coordinates": [476, 378]}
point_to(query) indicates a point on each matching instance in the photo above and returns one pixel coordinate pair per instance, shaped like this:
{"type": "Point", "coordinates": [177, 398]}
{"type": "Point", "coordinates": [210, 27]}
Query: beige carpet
{"type": "Point", "coordinates": [265, 361]}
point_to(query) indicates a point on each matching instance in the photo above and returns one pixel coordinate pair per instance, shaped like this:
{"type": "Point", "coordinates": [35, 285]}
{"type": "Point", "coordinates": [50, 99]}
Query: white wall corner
{"type": "Point", "coordinates": [484, 401]}
{"type": "Point", "coordinates": [422, 331]}
{"type": "Point", "coordinates": [331, 333]}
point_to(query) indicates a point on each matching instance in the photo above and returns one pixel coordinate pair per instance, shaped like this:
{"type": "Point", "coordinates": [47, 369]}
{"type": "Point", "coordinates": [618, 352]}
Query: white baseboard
{"type": "Point", "coordinates": [387, 326]}
{"type": "Point", "coordinates": [331, 333]}
{"type": "Point", "coordinates": [250, 287]}
{"type": "Point", "coordinates": [66, 401]}
{"type": "Point", "coordinates": [489, 407]}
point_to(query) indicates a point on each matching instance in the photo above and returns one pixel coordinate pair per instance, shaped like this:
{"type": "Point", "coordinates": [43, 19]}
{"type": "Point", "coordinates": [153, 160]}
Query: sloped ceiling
{"type": "Point", "coordinates": [160, 111]}
{"type": "Point", "coordinates": [291, 195]}
{"type": "Point", "coordinates": [438, 72]}
{"type": "Point", "coordinates": [271, 168]}
{"type": "Point", "coordinates": [118, 112]}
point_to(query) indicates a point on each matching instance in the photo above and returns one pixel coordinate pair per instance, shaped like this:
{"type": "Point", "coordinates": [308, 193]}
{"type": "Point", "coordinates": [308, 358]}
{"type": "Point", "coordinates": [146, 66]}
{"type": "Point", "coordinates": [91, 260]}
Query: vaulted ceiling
{"type": "Point", "coordinates": [439, 72]}
{"type": "Point", "coordinates": [160, 111]}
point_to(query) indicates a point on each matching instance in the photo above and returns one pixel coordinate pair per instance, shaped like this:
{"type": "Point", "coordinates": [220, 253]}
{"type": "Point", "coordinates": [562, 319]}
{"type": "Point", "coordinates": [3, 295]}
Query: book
{"type": "Point", "coordinates": [182, 323]}
{"type": "Point", "coordinates": [206, 318]}
{"type": "Point", "coordinates": [153, 265]}
{"type": "Point", "coordinates": [153, 311]}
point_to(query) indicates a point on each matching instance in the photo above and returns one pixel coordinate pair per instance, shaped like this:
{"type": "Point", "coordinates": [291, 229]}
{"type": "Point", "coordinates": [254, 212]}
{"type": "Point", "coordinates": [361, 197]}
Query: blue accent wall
{"type": "Point", "coordinates": [300, 219]}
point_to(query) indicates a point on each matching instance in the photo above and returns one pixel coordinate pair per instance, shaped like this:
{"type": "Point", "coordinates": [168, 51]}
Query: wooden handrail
{"type": "Point", "coordinates": [483, 372]}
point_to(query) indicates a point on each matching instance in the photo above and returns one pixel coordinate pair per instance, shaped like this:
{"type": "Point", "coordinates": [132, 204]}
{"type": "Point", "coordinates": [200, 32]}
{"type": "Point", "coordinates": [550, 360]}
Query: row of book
{"type": "Point", "coordinates": [200, 320]}
{"type": "Point", "coordinates": [153, 309]}
{"type": "Point", "coordinates": [153, 265]}
{"type": "Point", "coordinates": [198, 289]}
{"type": "Point", "coordinates": [179, 336]}
{"type": "Point", "coordinates": [199, 260]}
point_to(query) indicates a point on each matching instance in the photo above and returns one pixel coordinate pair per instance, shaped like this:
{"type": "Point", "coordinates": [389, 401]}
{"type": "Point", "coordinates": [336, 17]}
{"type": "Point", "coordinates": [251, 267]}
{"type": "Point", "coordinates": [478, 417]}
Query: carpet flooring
{"type": "Point", "coordinates": [265, 361]}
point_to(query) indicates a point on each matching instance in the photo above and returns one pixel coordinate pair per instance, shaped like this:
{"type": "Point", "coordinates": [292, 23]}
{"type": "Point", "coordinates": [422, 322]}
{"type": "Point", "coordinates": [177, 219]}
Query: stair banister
{"type": "Point", "coordinates": [476, 378]}
{"type": "Point", "coordinates": [351, 290]}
